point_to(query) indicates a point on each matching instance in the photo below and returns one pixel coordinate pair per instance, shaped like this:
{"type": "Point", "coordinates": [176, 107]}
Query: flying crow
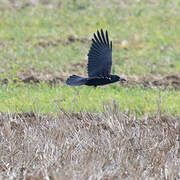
{"type": "Point", "coordinates": [99, 64]}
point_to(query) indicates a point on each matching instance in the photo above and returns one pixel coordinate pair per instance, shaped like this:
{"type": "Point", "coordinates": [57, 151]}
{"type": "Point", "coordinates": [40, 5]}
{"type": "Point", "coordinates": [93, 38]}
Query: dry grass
{"type": "Point", "coordinates": [111, 145]}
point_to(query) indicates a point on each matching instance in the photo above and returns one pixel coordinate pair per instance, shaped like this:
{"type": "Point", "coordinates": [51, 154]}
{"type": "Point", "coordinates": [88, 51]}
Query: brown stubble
{"type": "Point", "coordinates": [108, 145]}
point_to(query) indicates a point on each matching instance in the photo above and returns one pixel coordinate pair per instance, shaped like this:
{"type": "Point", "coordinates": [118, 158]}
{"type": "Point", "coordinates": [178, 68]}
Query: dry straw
{"type": "Point", "coordinates": [109, 145]}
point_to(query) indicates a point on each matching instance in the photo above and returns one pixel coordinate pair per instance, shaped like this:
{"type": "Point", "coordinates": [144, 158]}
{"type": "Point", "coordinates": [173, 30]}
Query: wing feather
{"type": "Point", "coordinates": [99, 36]}
{"type": "Point", "coordinates": [107, 38]}
{"type": "Point", "coordinates": [100, 55]}
{"type": "Point", "coordinates": [104, 40]}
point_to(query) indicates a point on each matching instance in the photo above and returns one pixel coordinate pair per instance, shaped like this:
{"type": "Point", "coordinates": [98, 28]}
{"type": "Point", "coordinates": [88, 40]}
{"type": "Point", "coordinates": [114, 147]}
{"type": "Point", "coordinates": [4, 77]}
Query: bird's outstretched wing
{"type": "Point", "coordinates": [100, 55]}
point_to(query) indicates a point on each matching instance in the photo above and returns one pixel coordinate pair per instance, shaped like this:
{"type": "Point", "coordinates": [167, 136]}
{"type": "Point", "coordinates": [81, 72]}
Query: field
{"type": "Point", "coordinates": [121, 131]}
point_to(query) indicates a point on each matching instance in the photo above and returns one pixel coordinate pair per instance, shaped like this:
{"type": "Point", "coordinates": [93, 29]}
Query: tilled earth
{"type": "Point", "coordinates": [32, 76]}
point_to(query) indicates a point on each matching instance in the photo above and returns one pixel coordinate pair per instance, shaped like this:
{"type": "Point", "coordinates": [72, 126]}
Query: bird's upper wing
{"type": "Point", "coordinates": [100, 55]}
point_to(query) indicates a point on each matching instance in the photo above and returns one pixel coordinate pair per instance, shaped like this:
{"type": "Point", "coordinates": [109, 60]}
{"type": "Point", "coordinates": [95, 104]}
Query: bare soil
{"type": "Point", "coordinates": [109, 145]}
{"type": "Point", "coordinates": [166, 82]}
{"type": "Point", "coordinates": [71, 39]}
{"type": "Point", "coordinates": [32, 76]}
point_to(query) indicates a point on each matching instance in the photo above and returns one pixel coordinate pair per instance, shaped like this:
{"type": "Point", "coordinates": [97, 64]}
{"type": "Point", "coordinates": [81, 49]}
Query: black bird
{"type": "Point", "coordinates": [99, 64]}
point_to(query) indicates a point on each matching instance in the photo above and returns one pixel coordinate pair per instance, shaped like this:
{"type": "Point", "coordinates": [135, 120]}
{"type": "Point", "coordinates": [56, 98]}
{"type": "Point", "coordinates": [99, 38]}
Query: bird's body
{"type": "Point", "coordinates": [93, 81]}
{"type": "Point", "coordinates": [99, 64]}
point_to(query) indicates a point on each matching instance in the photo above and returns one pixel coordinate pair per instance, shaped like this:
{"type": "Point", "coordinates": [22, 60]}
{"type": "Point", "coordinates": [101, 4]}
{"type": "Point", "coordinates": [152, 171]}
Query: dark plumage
{"type": "Point", "coordinates": [99, 64]}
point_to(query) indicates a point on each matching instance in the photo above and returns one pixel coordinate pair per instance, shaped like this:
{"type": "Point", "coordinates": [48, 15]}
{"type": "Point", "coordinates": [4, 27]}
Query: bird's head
{"type": "Point", "coordinates": [116, 78]}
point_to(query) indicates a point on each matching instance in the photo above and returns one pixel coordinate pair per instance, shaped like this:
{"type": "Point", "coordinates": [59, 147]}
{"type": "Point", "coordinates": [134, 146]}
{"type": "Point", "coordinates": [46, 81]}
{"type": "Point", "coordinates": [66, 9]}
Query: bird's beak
{"type": "Point", "coordinates": [122, 80]}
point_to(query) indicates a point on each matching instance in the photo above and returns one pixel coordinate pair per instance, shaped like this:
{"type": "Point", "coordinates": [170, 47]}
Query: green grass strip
{"type": "Point", "coordinates": [45, 99]}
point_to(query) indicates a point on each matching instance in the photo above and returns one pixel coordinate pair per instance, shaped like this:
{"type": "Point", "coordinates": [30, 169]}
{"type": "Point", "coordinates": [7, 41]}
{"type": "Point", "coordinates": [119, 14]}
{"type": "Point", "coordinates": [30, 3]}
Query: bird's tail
{"type": "Point", "coordinates": [76, 80]}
